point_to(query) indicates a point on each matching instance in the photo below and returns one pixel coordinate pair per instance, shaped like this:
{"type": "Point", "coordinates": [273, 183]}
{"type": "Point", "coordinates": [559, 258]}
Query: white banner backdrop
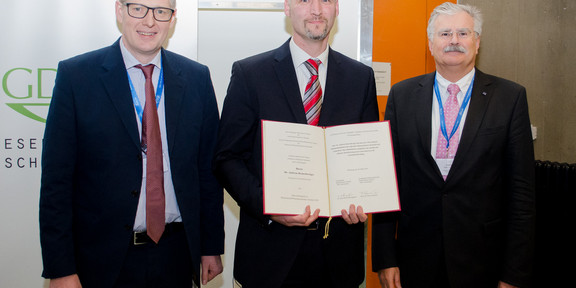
{"type": "Point", "coordinates": [37, 35]}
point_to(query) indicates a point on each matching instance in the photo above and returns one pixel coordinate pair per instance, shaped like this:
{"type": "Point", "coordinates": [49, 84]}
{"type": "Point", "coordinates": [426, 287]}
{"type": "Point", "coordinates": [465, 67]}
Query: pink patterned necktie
{"type": "Point", "coordinates": [152, 146]}
{"type": "Point", "coordinates": [313, 93]}
{"type": "Point", "coordinates": [451, 108]}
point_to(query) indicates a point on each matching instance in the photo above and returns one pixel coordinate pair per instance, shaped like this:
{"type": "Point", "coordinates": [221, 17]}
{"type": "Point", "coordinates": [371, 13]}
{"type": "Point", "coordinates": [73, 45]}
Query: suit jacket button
{"type": "Point", "coordinates": [134, 193]}
{"type": "Point", "coordinates": [139, 157]}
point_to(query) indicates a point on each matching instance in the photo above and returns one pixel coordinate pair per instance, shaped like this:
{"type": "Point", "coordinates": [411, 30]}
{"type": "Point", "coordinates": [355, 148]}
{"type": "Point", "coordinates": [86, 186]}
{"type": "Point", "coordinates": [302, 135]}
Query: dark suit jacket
{"type": "Point", "coordinates": [481, 220]}
{"type": "Point", "coordinates": [92, 164]}
{"type": "Point", "coordinates": [265, 87]}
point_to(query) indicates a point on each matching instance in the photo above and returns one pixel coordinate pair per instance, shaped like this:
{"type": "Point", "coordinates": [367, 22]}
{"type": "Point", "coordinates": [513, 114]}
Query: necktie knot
{"type": "Point", "coordinates": [148, 69]}
{"type": "Point", "coordinates": [312, 66]}
{"type": "Point", "coordinates": [453, 89]}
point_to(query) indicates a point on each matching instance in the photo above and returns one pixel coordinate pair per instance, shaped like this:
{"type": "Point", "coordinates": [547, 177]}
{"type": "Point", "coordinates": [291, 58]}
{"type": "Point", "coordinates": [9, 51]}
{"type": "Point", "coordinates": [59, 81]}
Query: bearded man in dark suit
{"type": "Point", "coordinates": [289, 251]}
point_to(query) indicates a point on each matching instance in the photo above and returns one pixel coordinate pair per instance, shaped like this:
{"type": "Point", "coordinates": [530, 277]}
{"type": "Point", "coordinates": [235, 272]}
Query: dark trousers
{"type": "Point", "coordinates": [167, 264]}
{"type": "Point", "coordinates": [438, 280]}
{"type": "Point", "coordinates": [309, 270]}
{"type": "Point", "coordinates": [441, 280]}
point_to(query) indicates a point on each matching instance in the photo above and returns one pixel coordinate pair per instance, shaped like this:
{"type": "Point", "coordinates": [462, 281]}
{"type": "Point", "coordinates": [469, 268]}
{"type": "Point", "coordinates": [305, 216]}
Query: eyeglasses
{"type": "Point", "coordinates": [447, 35]}
{"type": "Point", "coordinates": [140, 11]}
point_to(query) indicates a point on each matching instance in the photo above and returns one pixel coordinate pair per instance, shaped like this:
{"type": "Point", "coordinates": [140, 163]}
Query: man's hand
{"type": "Point", "coordinates": [354, 215]}
{"type": "Point", "coordinates": [390, 277]}
{"type": "Point", "coordinates": [71, 281]}
{"type": "Point", "coordinates": [505, 285]}
{"type": "Point", "coordinates": [298, 220]}
{"type": "Point", "coordinates": [211, 267]}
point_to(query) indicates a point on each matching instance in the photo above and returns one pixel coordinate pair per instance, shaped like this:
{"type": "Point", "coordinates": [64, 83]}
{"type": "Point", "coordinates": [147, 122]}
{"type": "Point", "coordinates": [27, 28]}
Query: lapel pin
{"type": "Point", "coordinates": [484, 93]}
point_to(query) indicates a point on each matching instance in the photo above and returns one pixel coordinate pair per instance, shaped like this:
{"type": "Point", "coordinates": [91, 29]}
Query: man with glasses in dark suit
{"type": "Point", "coordinates": [128, 198]}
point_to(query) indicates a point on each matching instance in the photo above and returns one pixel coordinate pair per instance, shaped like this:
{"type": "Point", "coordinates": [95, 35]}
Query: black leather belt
{"type": "Point", "coordinates": [140, 238]}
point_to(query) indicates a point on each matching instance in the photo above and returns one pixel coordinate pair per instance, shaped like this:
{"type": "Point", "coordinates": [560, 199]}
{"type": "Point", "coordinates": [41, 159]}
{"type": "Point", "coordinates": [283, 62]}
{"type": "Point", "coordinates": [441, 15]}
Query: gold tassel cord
{"type": "Point", "coordinates": [327, 228]}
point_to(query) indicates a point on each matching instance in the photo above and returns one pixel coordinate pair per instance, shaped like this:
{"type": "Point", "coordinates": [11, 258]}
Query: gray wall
{"type": "Point", "coordinates": [533, 42]}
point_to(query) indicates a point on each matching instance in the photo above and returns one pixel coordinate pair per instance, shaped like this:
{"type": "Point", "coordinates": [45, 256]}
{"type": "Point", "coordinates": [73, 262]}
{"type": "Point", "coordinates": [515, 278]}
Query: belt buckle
{"type": "Point", "coordinates": [140, 238]}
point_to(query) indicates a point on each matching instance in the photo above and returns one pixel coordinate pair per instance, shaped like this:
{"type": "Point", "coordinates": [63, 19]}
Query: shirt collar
{"type": "Point", "coordinates": [131, 61]}
{"type": "Point", "coordinates": [299, 56]}
{"type": "Point", "coordinates": [463, 83]}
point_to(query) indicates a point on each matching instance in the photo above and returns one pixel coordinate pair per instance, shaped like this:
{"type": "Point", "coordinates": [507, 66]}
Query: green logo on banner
{"type": "Point", "coordinates": [17, 84]}
{"type": "Point", "coordinates": [22, 109]}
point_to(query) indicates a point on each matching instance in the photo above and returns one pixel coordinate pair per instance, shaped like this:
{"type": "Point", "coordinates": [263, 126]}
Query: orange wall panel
{"type": "Point", "coordinates": [399, 38]}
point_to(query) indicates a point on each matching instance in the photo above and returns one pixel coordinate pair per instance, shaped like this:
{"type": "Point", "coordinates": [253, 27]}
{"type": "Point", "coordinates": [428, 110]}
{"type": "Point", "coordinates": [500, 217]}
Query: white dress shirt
{"type": "Point", "coordinates": [299, 56]}
{"type": "Point", "coordinates": [464, 84]}
{"type": "Point", "coordinates": [138, 81]}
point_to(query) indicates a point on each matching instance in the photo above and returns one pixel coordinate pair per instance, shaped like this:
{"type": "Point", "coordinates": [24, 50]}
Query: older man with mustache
{"type": "Point", "coordinates": [464, 157]}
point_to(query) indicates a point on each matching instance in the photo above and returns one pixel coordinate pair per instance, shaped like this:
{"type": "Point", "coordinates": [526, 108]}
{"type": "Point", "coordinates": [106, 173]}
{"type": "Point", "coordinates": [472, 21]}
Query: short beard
{"type": "Point", "coordinates": [317, 37]}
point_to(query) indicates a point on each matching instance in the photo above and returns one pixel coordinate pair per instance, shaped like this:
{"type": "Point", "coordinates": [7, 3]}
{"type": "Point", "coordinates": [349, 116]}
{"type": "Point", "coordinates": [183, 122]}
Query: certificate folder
{"type": "Point", "coordinates": [328, 168]}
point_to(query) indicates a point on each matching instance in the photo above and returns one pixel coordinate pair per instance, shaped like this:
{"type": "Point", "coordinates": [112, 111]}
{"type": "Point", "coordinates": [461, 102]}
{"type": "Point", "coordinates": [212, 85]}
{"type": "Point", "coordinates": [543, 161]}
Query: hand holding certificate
{"type": "Point", "coordinates": [328, 168]}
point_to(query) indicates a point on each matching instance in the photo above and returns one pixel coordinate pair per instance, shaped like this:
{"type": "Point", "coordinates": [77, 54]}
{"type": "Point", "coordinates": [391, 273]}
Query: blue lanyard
{"type": "Point", "coordinates": [159, 88]}
{"type": "Point", "coordinates": [460, 112]}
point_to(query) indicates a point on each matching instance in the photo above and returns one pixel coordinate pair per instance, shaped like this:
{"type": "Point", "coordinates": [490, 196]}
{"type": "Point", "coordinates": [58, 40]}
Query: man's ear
{"type": "Point", "coordinates": [119, 16]}
{"type": "Point", "coordinates": [287, 8]}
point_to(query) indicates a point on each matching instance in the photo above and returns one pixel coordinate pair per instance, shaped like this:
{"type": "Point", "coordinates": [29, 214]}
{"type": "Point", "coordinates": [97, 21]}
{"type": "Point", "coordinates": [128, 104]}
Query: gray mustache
{"type": "Point", "coordinates": [455, 48]}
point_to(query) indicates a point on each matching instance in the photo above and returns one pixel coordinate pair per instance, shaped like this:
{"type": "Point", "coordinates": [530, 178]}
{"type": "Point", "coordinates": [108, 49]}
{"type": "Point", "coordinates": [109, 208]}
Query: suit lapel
{"type": "Point", "coordinates": [286, 76]}
{"type": "Point", "coordinates": [173, 96]}
{"type": "Point", "coordinates": [423, 107]}
{"type": "Point", "coordinates": [115, 80]}
{"type": "Point", "coordinates": [424, 95]}
{"type": "Point", "coordinates": [480, 98]}
{"type": "Point", "coordinates": [333, 82]}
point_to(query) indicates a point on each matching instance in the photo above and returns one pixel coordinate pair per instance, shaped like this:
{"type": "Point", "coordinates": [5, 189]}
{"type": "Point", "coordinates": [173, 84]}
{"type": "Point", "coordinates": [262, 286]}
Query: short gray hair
{"type": "Point", "coordinates": [449, 8]}
{"type": "Point", "coordinates": [172, 3]}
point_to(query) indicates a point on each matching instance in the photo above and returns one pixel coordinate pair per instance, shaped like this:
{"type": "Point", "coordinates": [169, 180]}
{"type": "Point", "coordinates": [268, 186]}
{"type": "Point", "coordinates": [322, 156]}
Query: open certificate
{"type": "Point", "coordinates": [328, 168]}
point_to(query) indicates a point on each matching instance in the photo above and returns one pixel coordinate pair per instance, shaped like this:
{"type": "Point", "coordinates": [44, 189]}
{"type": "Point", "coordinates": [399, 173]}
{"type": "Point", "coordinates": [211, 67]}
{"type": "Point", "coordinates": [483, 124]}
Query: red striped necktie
{"type": "Point", "coordinates": [313, 93]}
